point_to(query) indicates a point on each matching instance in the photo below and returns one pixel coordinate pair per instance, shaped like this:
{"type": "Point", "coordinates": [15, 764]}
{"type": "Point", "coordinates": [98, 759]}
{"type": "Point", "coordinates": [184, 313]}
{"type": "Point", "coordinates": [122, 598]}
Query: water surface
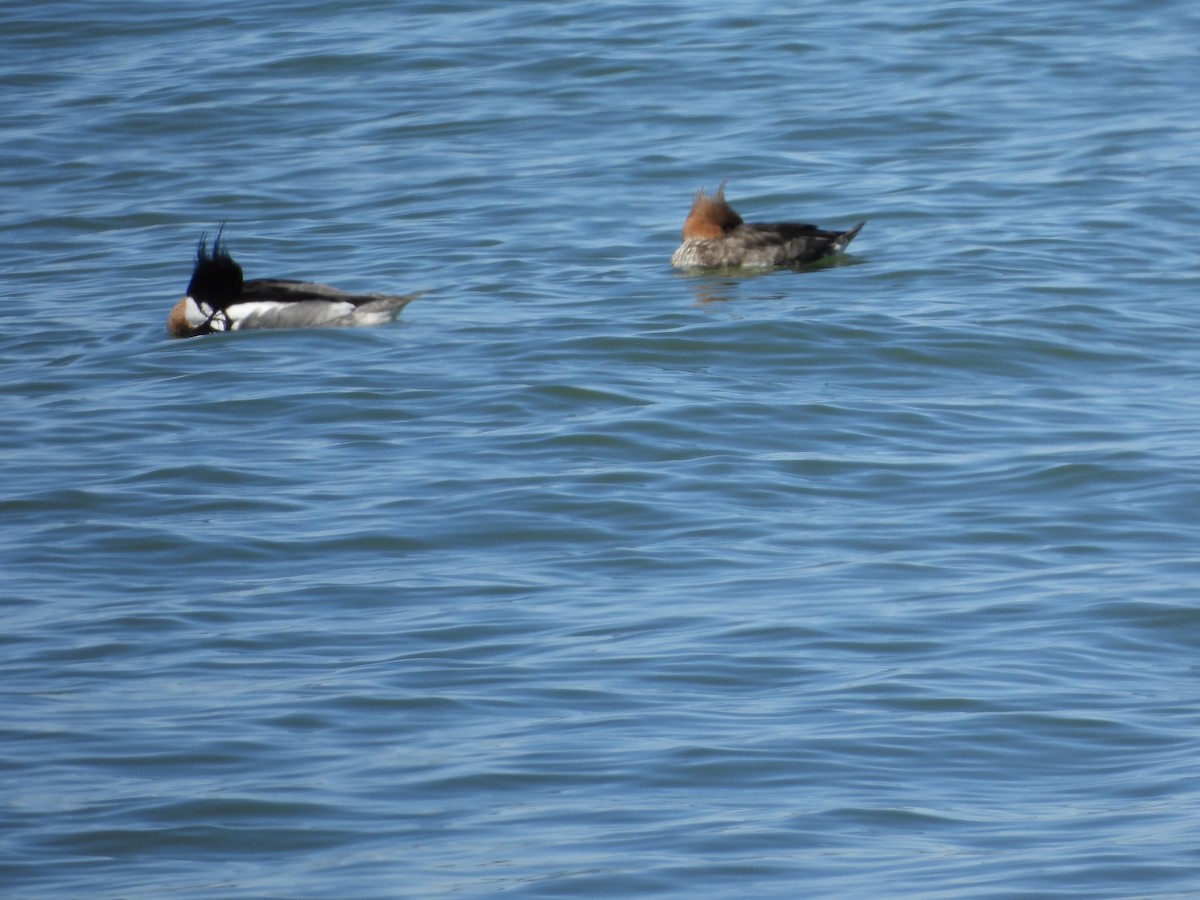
{"type": "Point", "coordinates": [588, 577]}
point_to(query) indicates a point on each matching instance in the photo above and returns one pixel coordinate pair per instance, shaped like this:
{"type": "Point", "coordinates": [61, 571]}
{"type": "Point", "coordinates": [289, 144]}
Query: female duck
{"type": "Point", "coordinates": [715, 236]}
{"type": "Point", "coordinates": [218, 299]}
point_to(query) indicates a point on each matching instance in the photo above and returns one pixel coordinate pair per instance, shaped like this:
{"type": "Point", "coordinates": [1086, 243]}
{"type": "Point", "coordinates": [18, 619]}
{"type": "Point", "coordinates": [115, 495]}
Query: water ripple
{"type": "Point", "coordinates": [587, 576]}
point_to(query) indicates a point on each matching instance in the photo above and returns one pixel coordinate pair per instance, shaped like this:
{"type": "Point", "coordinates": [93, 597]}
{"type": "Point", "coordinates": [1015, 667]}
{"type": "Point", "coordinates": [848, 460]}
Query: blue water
{"type": "Point", "coordinates": [587, 577]}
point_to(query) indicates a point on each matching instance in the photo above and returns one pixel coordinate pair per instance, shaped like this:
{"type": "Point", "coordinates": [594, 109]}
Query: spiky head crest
{"type": "Point", "coordinates": [710, 216]}
{"type": "Point", "coordinates": [216, 278]}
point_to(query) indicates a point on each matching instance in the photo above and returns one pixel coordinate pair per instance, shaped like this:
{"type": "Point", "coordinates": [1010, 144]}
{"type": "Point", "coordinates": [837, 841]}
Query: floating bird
{"type": "Point", "coordinates": [714, 236]}
{"type": "Point", "coordinates": [218, 299]}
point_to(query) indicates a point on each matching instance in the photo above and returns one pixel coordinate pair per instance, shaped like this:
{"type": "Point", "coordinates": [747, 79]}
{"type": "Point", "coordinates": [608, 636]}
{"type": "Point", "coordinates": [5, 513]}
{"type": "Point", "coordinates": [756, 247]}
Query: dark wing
{"type": "Point", "coordinates": [789, 231]}
{"type": "Point", "coordinates": [792, 243]}
{"type": "Point", "coordinates": [283, 290]}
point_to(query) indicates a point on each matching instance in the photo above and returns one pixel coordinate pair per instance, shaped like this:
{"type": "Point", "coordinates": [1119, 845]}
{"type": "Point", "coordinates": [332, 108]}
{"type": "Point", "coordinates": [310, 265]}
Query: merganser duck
{"type": "Point", "coordinates": [715, 236]}
{"type": "Point", "coordinates": [218, 299]}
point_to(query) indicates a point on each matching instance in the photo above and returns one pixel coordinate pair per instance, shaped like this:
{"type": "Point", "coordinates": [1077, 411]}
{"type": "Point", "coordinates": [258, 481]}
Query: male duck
{"type": "Point", "coordinates": [218, 299]}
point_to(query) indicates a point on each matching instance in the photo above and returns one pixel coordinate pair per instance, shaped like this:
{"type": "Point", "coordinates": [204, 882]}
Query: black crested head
{"type": "Point", "coordinates": [216, 278]}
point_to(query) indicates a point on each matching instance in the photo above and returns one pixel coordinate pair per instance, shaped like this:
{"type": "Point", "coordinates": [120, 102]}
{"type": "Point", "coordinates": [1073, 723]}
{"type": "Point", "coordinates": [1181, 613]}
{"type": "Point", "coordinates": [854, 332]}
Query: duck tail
{"type": "Point", "coordinates": [381, 308]}
{"type": "Point", "coordinates": [847, 236]}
